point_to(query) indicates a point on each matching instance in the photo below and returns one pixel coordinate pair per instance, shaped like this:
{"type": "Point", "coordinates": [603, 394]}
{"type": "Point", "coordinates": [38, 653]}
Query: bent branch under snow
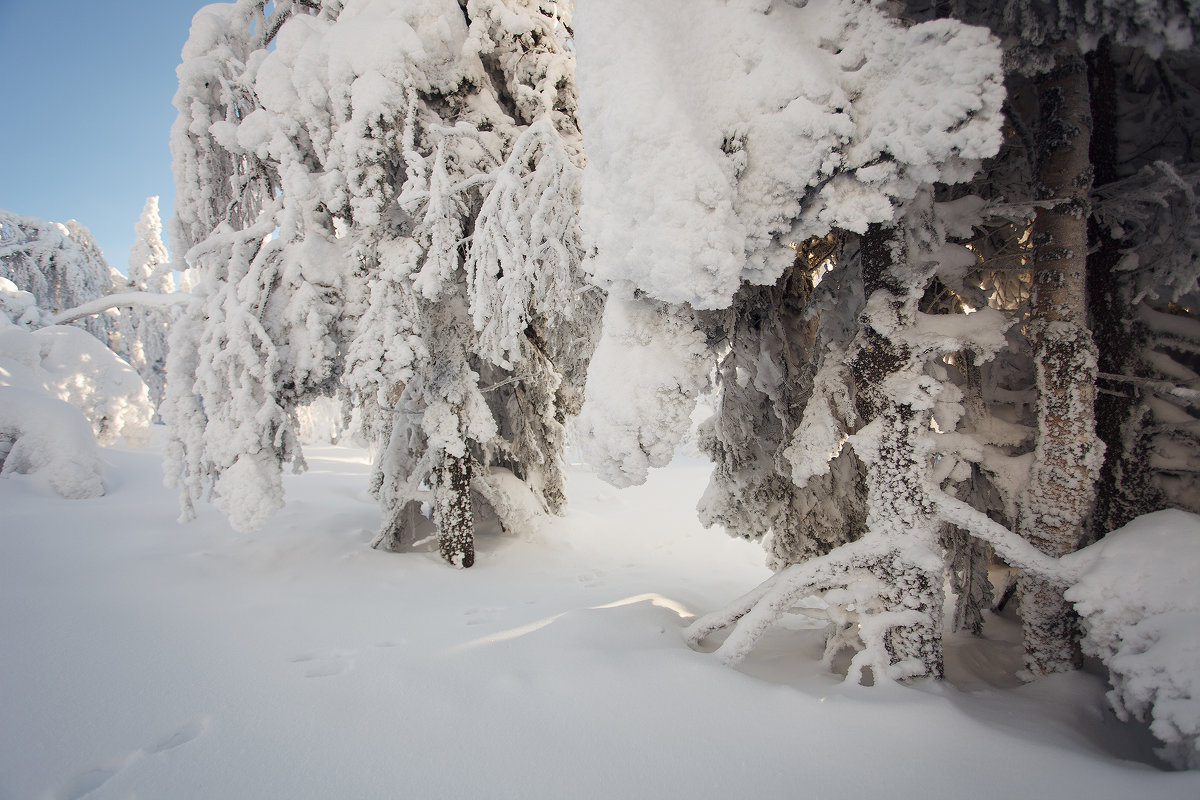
{"type": "Point", "coordinates": [120, 300]}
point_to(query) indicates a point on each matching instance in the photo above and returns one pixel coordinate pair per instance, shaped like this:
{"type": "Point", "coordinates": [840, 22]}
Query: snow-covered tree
{"type": "Point", "coordinates": [1089, 134]}
{"type": "Point", "coordinates": [823, 125]}
{"type": "Point", "coordinates": [59, 263]}
{"type": "Point", "coordinates": [143, 329]}
{"type": "Point", "coordinates": [379, 201]}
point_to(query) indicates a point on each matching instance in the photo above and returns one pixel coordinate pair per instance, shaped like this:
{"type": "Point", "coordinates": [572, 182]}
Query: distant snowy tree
{"type": "Point", "coordinates": [60, 264]}
{"type": "Point", "coordinates": [143, 329]}
{"type": "Point", "coordinates": [379, 200]}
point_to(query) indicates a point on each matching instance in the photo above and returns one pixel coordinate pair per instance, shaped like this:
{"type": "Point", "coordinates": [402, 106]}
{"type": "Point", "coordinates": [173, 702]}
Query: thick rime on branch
{"type": "Point", "coordinates": [379, 199]}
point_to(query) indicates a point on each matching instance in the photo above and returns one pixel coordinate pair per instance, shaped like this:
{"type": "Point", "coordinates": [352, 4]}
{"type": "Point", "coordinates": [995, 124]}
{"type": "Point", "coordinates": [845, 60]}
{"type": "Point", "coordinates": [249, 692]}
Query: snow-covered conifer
{"type": "Point", "coordinates": [143, 329]}
{"type": "Point", "coordinates": [825, 391]}
{"type": "Point", "coordinates": [380, 201]}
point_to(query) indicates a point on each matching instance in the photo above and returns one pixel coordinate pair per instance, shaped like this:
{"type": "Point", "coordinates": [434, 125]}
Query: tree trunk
{"type": "Point", "coordinates": [1126, 488]}
{"type": "Point", "coordinates": [897, 501]}
{"type": "Point", "coordinates": [1068, 454]}
{"type": "Point", "coordinates": [452, 510]}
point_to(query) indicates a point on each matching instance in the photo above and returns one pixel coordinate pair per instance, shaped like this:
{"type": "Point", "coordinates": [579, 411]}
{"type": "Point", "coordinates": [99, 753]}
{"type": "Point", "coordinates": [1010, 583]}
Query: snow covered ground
{"type": "Point", "coordinates": [144, 659]}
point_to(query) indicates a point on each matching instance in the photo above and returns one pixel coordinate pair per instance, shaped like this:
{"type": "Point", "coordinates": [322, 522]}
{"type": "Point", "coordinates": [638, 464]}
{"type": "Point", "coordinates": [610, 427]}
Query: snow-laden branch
{"type": "Point", "coordinates": [1008, 545]}
{"type": "Point", "coordinates": [120, 300]}
{"type": "Point", "coordinates": [1192, 396]}
{"type": "Point", "coordinates": [756, 611]}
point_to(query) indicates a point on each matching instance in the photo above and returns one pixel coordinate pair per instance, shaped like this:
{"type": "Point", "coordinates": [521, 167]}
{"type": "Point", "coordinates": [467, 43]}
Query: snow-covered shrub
{"type": "Point", "coordinates": [75, 368]}
{"type": "Point", "coordinates": [1140, 603]}
{"type": "Point", "coordinates": [39, 433]}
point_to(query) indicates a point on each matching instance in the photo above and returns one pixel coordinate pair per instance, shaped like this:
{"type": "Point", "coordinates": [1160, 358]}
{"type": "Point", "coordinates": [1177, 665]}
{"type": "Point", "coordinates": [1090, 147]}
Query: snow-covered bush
{"type": "Point", "coordinates": [76, 369]}
{"type": "Point", "coordinates": [39, 433]}
{"type": "Point", "coordinates": [1140, 604]}
{"type": "Point", "coordinates": [42, 435]}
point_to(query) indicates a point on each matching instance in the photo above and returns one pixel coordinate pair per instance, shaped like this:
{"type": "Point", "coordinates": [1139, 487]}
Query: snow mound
{"type": "Point", "coordinates": [1140, 604]}
{"type": "Point", "coordinates": [40, 434]}
{"type": "Point", "coordinates": [75, 368]}
{"type": "Point", "coordinates": [60, 389]}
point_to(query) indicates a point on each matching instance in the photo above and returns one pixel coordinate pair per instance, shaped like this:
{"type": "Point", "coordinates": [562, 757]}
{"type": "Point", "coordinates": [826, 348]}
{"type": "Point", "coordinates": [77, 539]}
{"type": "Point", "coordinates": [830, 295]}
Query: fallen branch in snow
{"type": "Point", "coordinates": [120, 300]}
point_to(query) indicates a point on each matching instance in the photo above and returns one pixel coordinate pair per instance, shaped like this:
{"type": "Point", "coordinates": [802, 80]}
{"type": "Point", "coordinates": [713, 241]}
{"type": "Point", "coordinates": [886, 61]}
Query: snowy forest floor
{"type": "Point", "coordinates": [143, 659]}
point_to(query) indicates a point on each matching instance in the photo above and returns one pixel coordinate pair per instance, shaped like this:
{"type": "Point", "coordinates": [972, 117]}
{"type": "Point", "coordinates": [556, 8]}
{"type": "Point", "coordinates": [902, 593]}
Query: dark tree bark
{"type": "Point", "coordinates": [452, 510]}
{"type": "Point", "coordinates": [1068, 454]}
{"type": "Point", "coordinates": [1126, 489]}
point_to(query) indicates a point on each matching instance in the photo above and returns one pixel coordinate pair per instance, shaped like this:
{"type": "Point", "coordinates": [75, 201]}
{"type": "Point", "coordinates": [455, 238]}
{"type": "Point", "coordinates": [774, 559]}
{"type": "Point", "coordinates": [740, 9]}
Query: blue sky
{"type": "Point", "coordinates": [87, 87]}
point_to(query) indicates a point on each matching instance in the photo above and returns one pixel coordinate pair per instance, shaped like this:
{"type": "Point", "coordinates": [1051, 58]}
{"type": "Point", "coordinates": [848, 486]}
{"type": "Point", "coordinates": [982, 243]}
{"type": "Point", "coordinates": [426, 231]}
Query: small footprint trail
{"type": "Point", "coordinates": [187, 733]}
{"type": "Point", "coordinates": [86, 782]}
{"type": "Point", "coordinates": [482, 616]}
{"type": "Point", "coordinates": [326, 665]}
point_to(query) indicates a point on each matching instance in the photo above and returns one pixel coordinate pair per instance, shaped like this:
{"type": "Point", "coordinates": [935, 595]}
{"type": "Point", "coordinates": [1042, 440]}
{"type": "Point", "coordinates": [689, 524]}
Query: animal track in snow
{"type": "Point", "coordinates": [482, 616]}
{"type": "Point", "coordinates": [326, 665]}
{"type": "Point", "coordinates": [590, 578]}
{"type": "Point", "coordinates": [189, 732]}
{"type": "Point", "coordinates": [89, 780]}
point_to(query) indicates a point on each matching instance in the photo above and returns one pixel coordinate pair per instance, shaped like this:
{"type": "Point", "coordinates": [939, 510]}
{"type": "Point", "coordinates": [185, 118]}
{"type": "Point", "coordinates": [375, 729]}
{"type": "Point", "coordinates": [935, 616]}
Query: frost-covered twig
{"type": "Point", "coordinates": [756, 611]}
